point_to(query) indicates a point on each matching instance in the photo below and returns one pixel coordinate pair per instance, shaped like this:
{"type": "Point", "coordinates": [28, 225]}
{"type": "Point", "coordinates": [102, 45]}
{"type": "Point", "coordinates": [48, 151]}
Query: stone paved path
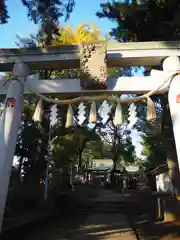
{"type": "Point", "coordinates": [107, 226]}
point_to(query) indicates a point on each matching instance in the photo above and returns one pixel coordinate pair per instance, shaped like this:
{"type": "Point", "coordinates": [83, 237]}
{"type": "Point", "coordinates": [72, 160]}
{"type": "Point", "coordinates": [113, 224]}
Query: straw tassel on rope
{"type": "Point", "coordinates": [37, 116]}
{"type": "Point", "coordinates": [93, 113]}
{"type": "Point", "coordinates": [69, 117]}
{"type": "Point", "coordinates": [118, 117]}
{"type": "Point", "coordinates": [151, 110]}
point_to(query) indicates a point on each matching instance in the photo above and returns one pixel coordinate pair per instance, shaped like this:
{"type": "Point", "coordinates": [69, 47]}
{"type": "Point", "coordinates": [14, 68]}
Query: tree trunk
{"type": "Point", "coordinates": [115, 160]}
{"type": "Point", "coordinates": [80, 160]}
{"type": "Point", "coordinates": [20, 166]}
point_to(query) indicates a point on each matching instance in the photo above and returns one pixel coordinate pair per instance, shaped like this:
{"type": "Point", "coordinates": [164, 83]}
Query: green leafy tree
{"type": "Point", "coordinates": [3, 12]}
{"type": "Point", "coordinates": [61, 154]}
{"type": "Point", "coordinates": [45, 13]}
{"type": "Point", "coordinates": [143, 20]}
{"type": "Point", "coordinates": [147, 21]}
{"type": "Point", "coordinates": [84, 144]}
{"type": "Point", "coordinates": [153, 150]}
{"type": "Point", "coordinates": [85, 135]}
{"type": "Point", "coordinates": [117, 138]}
{"type": "Point", "coordinates": [42, 10]}
{"type": "Point", "coordinates": [67, 35]}
{"type": "Point", "coordinates": [93, 150]}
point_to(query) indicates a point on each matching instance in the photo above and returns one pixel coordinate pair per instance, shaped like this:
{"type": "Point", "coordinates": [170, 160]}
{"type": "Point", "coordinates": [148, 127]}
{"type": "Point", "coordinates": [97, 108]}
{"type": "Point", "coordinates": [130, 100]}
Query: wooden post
{"type": "Point", "coordinates": [9, 126]}
{"type": "Point", "coordinates": [160, 208]}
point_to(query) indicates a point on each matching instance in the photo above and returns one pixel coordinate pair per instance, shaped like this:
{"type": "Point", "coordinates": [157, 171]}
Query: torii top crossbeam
{"type": "Point", "coordinates": [67, 56]}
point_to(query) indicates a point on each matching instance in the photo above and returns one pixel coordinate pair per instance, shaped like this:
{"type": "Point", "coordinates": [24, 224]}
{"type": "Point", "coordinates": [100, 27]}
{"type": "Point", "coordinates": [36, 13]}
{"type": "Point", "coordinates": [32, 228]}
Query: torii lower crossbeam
{"type": "Point", "coordinates": [60, 87]}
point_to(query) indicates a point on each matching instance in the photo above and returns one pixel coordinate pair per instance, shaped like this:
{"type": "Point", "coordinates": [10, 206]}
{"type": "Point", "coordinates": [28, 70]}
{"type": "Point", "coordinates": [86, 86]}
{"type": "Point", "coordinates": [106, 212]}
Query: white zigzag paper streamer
{"type": "Point", "coordinates": [53, 115]}
{"type": "Point", "coordinates": [104, 111]}
{"type": "Point", "coordinates": [81, 113]}
{"type": "Point", "coordinates": [132, 115]}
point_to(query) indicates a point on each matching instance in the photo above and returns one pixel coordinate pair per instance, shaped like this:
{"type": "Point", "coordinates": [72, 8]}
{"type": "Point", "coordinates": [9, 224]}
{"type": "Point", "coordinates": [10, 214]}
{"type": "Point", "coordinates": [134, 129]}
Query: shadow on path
{"type": "Point", "coordinates": [99, 225]}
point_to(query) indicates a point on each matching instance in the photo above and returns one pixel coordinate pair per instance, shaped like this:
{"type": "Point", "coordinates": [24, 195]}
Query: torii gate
{"type": "Point", "coordinates": [123, 55]}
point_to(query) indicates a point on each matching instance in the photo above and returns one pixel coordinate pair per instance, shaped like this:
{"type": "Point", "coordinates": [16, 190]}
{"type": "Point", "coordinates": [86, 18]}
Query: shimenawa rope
{"type": "Point", "coordinates": [151, 111]}
{"type": "Point", "coordinates": [99, 97]}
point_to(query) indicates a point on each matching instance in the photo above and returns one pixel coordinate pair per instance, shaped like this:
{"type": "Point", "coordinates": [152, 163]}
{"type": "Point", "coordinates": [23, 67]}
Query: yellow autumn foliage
{"type": "Point", "coordinates": [83, 33]}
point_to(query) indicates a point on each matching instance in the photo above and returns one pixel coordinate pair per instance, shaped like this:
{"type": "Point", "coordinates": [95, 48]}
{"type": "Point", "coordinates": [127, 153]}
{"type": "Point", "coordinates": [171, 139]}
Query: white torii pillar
{"type": "Point", "coordinates": [172, 65]}
{"type": "Point", "coordinates": [9, 126]}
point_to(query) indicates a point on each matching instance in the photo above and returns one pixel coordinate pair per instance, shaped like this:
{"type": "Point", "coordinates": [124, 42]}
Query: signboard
{"type": "Point", "coordinates": [163, 183]}
{"type": "Point", "coordinates": [132, 168]}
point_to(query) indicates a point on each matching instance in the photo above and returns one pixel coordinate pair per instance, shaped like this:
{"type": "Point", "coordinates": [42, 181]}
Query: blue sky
{"type": "Point", "coordinates": [20, 25]}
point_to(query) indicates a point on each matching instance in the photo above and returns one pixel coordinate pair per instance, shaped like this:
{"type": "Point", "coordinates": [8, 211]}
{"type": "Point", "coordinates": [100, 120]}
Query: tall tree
{"type": "Point", "coordinates": [45, 13]}
{"type": "Point", "coordinates": [84, 135]}
{"type": "Point", "coordinates": [83, 32]}
{"type": "Point", "coordinates": [117, 138]}
{"type": "Point", "coordinates": [3, 12]}
{"type": "Point", "coordinates": [41, 10]}
{"type": "Point", "coordinates": [150, 20]}
{"type": "Point", "coordinates": [153, 146]}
